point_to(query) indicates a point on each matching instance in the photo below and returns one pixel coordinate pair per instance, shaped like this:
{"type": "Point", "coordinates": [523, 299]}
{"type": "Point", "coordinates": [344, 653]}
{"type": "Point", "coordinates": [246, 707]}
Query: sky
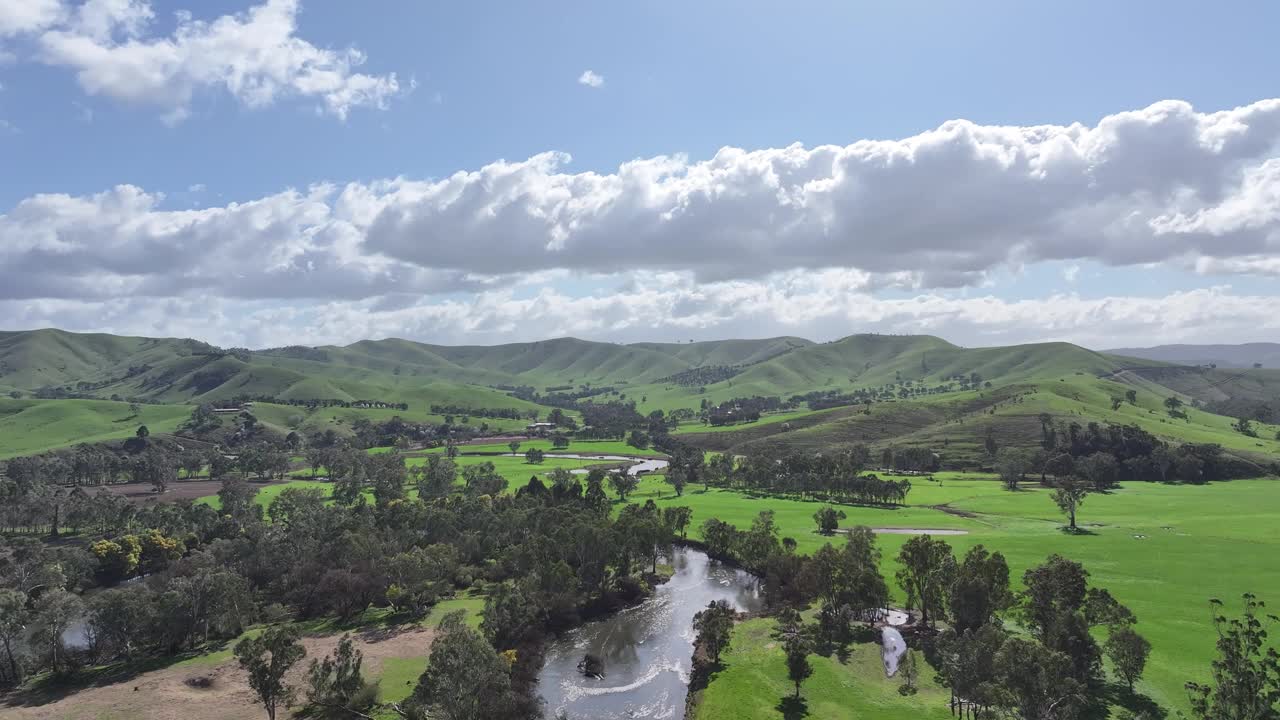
{"type": "Point", "coordinates": [269, 172]}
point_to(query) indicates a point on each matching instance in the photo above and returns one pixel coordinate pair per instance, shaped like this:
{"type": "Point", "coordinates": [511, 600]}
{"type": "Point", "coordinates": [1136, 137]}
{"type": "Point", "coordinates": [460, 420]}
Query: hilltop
{"type": "Point", "coordinates": [1245, 355]}
{"type": "Point", "coordinates": [882, 390]}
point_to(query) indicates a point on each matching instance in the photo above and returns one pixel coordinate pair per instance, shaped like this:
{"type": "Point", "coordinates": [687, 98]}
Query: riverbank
{"type": "Point", "coordinates": [645, 648]}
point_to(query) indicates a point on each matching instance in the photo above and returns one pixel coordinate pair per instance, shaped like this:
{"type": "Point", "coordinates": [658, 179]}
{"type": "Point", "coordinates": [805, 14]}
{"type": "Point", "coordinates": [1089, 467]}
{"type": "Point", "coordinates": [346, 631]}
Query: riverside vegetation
{"type": "Point", "coordinates": [1056, 520]}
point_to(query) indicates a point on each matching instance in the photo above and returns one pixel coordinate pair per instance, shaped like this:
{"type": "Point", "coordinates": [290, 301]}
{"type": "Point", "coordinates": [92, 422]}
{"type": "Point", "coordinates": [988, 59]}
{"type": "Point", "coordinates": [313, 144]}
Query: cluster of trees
{"type": "Point", "coordinates": [1056, 671]}
{"type": "Point", "coordinates": [466, 411]}
{"type": "Point", "coordinates": [568, 399]}
{"type": "Point", "coordinates": [832, 477]}
{"type": "Point", "coordinates": [1099, 454]}
{"type": "Point", "coordinates": [313, 403]}
{"type": "Point", "coordinates": [548, 556]}
{"type": "Point", "coordinates": [741, 409]}
{"type": "Point", "coordinates": [610, 420]}
{"type": "Point", "coordinates": [700, 376]}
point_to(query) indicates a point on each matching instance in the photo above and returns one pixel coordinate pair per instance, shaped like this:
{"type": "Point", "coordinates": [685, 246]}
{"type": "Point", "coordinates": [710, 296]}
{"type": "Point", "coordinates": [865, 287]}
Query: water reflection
{"type": "Point", "coordinates": [646, 649]}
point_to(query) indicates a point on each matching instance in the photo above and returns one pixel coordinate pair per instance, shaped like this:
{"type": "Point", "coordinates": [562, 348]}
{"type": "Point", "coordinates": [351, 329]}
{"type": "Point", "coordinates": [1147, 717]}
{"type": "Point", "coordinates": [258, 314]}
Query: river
{"type": "Point", "coordinates": [646, 649]}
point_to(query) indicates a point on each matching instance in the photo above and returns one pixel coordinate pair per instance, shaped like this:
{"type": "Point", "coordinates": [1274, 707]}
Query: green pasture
{"type": "Point", "coordinates": [1163, 550]}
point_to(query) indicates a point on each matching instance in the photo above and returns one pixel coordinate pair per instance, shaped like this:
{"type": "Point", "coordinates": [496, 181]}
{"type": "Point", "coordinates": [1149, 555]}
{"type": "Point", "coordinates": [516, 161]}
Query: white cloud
{"type": "Point", "coordinates": [814, 307]}
{"type": "Point", "coordinates": [1071, 273]}
{"type": "Point", "coordinates": [26, 16]}
{"type": "Point", "coordinates": [591, 79]}
{"type": "Point", "coordinates": [255, 56]}
{"type": "Point", "coordinates": [791, 239]}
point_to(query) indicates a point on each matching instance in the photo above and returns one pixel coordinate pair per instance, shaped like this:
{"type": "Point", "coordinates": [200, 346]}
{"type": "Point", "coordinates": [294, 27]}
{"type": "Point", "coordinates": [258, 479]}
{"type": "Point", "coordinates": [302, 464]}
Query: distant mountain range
{"type": "Point", "coordinates": [58, 388]}
{"type": "Point", "coordinates": [1246, 355]}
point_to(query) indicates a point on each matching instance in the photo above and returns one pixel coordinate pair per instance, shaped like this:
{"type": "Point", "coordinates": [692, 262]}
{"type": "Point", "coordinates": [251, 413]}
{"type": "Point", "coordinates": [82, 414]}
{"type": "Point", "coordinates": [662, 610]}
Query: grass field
{"type": "Point", "coordinates": [32, 426]}
{"type": "Point", "coordinates": [576, 447]}
{"type": "Point", "coordinates": [1161, 550]}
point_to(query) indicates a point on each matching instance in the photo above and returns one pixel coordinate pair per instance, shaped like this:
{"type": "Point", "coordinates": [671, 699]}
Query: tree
{"type": "Point", "coordinates": [1246, 673]}
{"type": "Point", "coordinates": [910, 673]}
{"type": "Point", "coordinates": [143, 432]}
{"type": "Point", "coordinates": [1173, 404]}
{"type": "Point", "coordinates": [980, 589]}
{"type": "Point", "coordinates": [1035, 682]}
{"type": "Point", "coordinates": [828, 519]}
{"type": "Point", "coordinates": [678, 517]}
{"type": "Point", "coordinates": [14, 617]}
{"type": "Point", "coordinates": [515, 446]}
{"type": "Point", "coordinates": [1128, 653]}
{"type": "Point", "coordinates": [1069, 495]}
{"type": "Point", "coordinates": [337, 681]}
{"type": "Point", "coordinates": [798, 667]}
{"type": "Point", "coordinates": [623, 483]}
{"type": "Point", "coordinates": [1244, 426]}
{"type": "Point", "coordinates": [1012, 465]}
{"type": "Point", "coordinates": [677, 477]}
{"type": "Point", "coordinates": [638, 439]}
{"type": "Point", "coordinates": [267, 658]}
{"type": "Point", "coordinates": [533, 456]}
{"type": "Point", "coordinates": [714, 626]}
{"type": "Point", "coordinates": [437, 477]}
{"type": "Point", "coordinates": [927, 568]}
{"type": "Point", "coordinates": [1131, 396]}
{"type": "Point", "coordinates": [465, 678]}
{"type": "Point", "coordinates": [559, 441]}
{"type": "Point", "coordinates": [1099, 468]}
{"type": "Point", "coordinates": [57, 610]}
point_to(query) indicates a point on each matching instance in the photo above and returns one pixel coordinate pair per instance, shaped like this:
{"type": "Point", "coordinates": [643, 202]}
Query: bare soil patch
{"type": "Point", "coordinates": [213, 691]}
{"type": "Point", "coordinates": [140, 493]}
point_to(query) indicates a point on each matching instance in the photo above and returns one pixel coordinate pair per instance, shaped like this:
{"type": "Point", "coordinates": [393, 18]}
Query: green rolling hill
{"type": "Point", "coordinates": [1017, 384]}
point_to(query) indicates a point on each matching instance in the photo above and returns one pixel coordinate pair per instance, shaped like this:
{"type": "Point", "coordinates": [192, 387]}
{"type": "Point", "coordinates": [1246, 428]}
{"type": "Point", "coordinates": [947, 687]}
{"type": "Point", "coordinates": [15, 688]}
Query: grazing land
{"type": "Point", "coordinates": [1179, 462]}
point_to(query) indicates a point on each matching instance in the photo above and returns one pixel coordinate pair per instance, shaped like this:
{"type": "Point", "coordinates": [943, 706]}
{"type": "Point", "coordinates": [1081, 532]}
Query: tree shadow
{"type": "Point", "coordinates": [1068, 530]}
{"type": "Point", "coordinates": [50, 687]}
{"type": "Point", "coordinates": [793, 708]}
{"type": "Point", "coordinates": [1114, 693]}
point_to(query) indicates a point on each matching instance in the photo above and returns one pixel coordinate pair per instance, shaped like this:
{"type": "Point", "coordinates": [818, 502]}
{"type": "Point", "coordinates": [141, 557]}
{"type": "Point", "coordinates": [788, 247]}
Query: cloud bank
{"type": "Point", "coordinates": [787, 238]}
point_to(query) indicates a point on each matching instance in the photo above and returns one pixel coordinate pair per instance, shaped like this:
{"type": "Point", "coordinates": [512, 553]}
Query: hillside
{"type": "Point", "coordinates": [943, 395]}
{"type": "Point", "coordinates": [1245, 355]}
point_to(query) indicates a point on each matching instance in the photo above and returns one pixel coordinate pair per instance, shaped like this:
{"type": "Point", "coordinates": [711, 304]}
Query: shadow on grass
{"type": "Point", "coordinates": [1068, 530]}
{"type": "Point", "coordinates": [1117, 694]}
{"type": "Point", "coordinates": [50, 688]}
{"type": "Point", "coordinates": [793, 708]}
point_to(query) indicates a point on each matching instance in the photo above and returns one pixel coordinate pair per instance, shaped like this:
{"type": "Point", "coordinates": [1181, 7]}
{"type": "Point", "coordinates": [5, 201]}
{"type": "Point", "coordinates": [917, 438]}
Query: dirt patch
{"type": "Point", "coordinates": [215, 692]}
{"type": "Point", "coordinates": [953, 511]}
{"type": "Point", "coordinates": [140, 493]}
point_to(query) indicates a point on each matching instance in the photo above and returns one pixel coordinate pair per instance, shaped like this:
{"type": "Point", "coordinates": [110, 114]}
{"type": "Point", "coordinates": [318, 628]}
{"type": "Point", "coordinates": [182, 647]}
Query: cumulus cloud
{"type": "Point", "coordinates": [591, 79]}
{"type": "Point", "coordinates": [793, 239]}
{"type": "Point", "coordinates": [1161, 183]}
{"type": "Point", "coordinates": [26, 16]}
{"type": "Point", "coordinates": [817, 309]}
{"type": "Point", "coordinates": [940, 209]}
{"type": "Point", "coordinates": [120, 243]}
{"type": "Point", "coordinates": [255, 56]}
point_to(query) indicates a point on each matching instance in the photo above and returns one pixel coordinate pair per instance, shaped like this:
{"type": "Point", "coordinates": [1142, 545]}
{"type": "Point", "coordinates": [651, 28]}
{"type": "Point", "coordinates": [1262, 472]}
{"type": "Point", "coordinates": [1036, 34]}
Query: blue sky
{"type": "Point", "coordinates": [152, 97]}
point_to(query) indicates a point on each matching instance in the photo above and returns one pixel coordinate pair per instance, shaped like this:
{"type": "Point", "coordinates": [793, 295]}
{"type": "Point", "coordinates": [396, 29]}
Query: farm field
{"type": "Point", "coordinates": [1162, 550]}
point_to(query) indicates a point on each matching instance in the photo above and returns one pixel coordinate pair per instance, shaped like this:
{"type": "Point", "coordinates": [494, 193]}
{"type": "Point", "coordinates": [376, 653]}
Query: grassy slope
{"type": "Point", "coordinates": [1196, 542]}
{"type": "Point", "coordinates": [31, 426]}
{"type": "Point", "coordinates": [956, 424]}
